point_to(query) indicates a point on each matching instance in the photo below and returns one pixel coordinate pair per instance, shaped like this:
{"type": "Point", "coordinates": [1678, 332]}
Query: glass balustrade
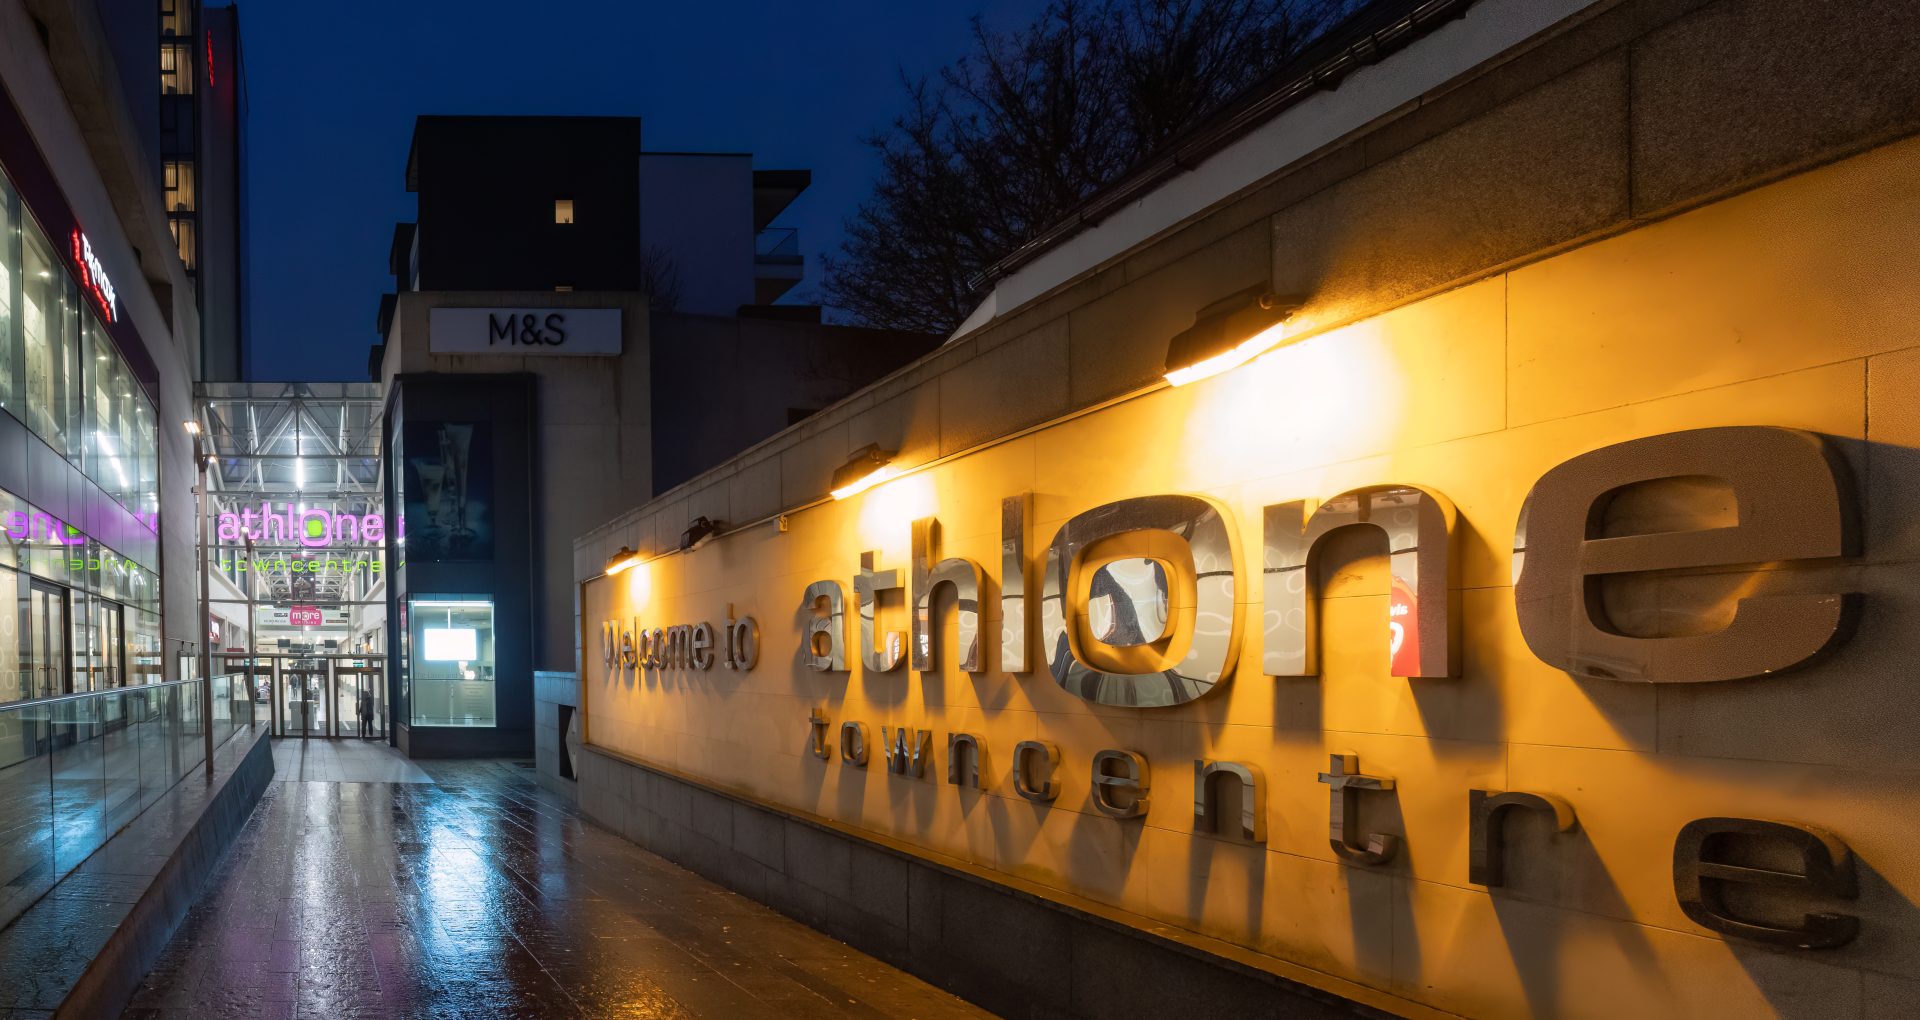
{"type": "Point", "coordinates": [76, 769]}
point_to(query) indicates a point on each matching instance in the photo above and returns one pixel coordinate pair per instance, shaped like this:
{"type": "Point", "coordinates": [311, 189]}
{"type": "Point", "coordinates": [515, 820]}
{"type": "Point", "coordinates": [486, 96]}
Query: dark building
{"type": "Point", "coordinates": [524, 203]}
{"type": "Point", "coordinates": [577, 325]}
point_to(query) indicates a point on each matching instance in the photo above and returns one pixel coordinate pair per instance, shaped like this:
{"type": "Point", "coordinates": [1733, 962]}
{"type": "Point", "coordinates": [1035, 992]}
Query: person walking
{"type": "Point", "coordinates": [366, 713]}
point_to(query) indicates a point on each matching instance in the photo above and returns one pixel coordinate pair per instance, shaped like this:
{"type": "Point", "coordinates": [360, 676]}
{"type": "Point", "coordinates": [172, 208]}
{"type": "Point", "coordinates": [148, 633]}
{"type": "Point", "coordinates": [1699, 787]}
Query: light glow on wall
{"type": "Point", "coordinates": [887, 514]}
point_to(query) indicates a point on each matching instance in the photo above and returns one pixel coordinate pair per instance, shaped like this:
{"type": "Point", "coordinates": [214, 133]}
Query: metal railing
{"type": "Point", "coordinates": [75, 769]}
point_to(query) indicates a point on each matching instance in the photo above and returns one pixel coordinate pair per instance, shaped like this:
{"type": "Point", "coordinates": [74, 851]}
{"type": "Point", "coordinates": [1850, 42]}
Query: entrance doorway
{"type": "Point", "coordinates": [47, 640]}
{"type": "Point", "coordinates": [360, 701]}
{"type": "Point", "coordinates": [324, 695]}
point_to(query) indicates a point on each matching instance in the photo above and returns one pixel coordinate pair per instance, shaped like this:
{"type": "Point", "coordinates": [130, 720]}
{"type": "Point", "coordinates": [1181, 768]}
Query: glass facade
{"type": "Point", "coordinates": [452, 661]}
{"type": "Point", "coordinates": [75, 615]}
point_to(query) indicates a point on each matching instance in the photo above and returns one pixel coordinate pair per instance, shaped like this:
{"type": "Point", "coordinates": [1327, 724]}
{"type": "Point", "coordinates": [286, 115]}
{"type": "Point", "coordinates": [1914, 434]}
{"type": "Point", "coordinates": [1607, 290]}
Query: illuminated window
{"type": "Point", "coordinates": [176, 18]}
{"type": "Point", "coordinates": [184, 239]}
{"type": "Point", "coordinates": [452, 661]}
{"type": "Point", "coordinates": [179, 186]}
{"type": "Point", "coordinates": [176, 68]}
{"type": "Point", "coordinates": [563, 210]}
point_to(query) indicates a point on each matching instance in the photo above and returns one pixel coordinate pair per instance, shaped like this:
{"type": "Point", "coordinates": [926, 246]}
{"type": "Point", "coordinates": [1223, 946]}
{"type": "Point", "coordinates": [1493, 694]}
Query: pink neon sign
{"type": "Point", "coordinates": [314, 527]}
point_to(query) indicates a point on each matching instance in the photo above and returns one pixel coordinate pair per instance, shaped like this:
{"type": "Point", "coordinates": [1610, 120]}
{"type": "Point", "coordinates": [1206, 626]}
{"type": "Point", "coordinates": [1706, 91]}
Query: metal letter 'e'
{"type": "Point", "coordinates": [1793, 500]}
{"type": "Point", "coordinates": [1120, 772]}
{"type": "Point", "coordinates": [1703, 867]}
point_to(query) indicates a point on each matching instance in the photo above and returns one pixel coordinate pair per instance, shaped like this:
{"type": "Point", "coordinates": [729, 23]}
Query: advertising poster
{"type": "Point", "coordinates": [448, 490]}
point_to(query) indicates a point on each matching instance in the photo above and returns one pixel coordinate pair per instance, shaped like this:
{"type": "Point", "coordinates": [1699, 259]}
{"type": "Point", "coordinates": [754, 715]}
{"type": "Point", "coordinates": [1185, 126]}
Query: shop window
{"type": "Point", "coordinates": [563, 210]}
{"type": "Point", "coordinates": [452, 661]}
{"type": "Point", "coordinates": [178, 179]}
{"type": "Point", "coordinates": [176, 68]}
{"type": "Point", "coordinates": [48, 307]}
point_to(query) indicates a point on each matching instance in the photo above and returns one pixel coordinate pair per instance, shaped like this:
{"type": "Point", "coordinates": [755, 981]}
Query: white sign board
{"type": "Point", "coordinates": [525, 332]}
{"type": "Point", "coordinates": [282, 616]}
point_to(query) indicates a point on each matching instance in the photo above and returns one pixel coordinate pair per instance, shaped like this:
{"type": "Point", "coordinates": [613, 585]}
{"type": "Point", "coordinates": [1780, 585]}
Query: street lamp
{"type": "Point", "coordinates": [206, 642]}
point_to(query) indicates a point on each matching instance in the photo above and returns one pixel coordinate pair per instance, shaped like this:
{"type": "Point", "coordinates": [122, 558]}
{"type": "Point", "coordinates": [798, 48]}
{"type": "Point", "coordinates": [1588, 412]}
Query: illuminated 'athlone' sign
{"type": "Point", "coordinates": [313, 527]}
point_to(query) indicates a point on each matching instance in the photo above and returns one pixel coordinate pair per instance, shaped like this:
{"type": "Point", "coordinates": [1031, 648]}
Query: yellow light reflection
{"type": "Point", "coordinates": [639, 587]}
{"type": "Point", "coordinates": [888, 512]}
{"type": "Point", "coordinates": [1328, 398]}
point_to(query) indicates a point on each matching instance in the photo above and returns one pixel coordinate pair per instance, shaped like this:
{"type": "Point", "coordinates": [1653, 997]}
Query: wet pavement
{"type": "Point", "coordinates": [477, 894]}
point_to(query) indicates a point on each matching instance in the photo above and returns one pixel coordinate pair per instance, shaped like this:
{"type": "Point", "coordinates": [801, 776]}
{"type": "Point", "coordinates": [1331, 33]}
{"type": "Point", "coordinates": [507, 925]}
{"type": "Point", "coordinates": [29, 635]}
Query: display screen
{"type": "Point", "coordinates": [451, 644]}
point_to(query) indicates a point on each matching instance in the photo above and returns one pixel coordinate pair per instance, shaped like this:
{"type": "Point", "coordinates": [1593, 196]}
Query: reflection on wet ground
{"type": "Point", "coordinates": [480, 895]}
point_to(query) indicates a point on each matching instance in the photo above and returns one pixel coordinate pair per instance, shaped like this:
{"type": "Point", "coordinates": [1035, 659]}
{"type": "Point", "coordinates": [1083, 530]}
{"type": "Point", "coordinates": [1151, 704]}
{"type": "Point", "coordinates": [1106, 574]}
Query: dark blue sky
{"type": "Point", "coordinates": [334, 90]}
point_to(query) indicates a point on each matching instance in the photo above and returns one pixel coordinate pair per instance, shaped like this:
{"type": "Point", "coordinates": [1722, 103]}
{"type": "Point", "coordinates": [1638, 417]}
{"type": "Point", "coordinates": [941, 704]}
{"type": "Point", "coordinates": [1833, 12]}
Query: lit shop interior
{"type": "Point", "coordinates": [296, 533]}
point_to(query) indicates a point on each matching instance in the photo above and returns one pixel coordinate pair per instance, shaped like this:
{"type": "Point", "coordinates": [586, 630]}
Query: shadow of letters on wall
{"type": "Point", "coordinates": [1139, 606]}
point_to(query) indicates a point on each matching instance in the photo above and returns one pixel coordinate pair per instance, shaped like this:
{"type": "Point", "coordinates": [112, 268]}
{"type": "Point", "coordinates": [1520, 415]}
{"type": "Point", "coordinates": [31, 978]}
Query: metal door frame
{"type": "Point", "coordinates": [329, 671]}
{"type": "Point", "coordinates": [63, 661]}
{"type": "Point", "coordinates": [379, 675]}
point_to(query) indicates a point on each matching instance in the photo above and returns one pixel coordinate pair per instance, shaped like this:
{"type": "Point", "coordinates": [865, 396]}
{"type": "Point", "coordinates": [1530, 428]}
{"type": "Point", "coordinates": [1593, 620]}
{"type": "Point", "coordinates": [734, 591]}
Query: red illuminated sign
{"type": "Point", "coordinates": [305, 616]}
{"type": "Point", "coordinates": [209, 59]}
{"type": "Point", "coordinates": [93, 276]}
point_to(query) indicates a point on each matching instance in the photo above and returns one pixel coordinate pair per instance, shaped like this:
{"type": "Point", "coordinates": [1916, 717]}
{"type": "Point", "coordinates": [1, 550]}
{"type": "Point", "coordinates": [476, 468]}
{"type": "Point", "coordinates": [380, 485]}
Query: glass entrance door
{"type": "Point", "coordinates": [47, 641]}
{"type": "Point", "coordinates": [360, 702]}
{"type": "Point", "coordinates": [303, 700]}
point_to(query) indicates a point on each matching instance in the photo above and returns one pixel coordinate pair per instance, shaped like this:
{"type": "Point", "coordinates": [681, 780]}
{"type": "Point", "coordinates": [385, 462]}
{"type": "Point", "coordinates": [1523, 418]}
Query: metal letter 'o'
{"type": "Point", "coordinates": [1214, 644]}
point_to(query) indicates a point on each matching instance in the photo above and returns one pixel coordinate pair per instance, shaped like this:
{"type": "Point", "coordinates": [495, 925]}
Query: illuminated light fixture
{"type": "Point", "coordinates": [1229, 333]}
{"type": "Point", "coordinates": [869, 467]}
{"type": "Point", "coordinates": [625, 559]}
{"type": "Point", "coordinates": [192, 427]}
{"type": "Point", "coordinates": [699, 533]}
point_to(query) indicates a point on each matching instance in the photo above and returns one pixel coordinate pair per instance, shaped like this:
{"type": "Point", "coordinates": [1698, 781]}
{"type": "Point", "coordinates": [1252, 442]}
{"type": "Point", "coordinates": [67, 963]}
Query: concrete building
{"type": "Point", "coordinates": [533, 387]}
{"type": "Point", "coordinates": [102, 338]}
{"type": "Point", "coordinates": [1328, 573]}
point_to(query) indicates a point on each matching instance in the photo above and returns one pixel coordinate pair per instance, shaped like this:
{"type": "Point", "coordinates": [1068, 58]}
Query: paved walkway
{"type": "Point", "coordinates": [476, 894]}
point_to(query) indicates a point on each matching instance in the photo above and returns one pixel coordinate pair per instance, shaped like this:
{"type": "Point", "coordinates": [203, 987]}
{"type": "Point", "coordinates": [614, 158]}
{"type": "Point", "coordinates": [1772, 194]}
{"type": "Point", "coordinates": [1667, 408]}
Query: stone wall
{"type": "Point", "coordinates": [1617, 233]}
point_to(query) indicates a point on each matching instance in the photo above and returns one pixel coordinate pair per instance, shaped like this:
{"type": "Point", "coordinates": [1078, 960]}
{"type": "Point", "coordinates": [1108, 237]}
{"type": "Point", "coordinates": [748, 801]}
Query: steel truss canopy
{"type": "Point", "coordinates": [304, 446]}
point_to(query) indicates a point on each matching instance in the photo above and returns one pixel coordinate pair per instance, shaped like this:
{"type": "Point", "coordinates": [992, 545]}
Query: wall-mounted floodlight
{"type": "Point", "coordinates": [869, 467]}
{"type": "Point", "coordinates": [1229, 333]}
{"type": "Point", "coordinates": [623, 560]}
{"type": "Point", "coordinates": [699, 533]}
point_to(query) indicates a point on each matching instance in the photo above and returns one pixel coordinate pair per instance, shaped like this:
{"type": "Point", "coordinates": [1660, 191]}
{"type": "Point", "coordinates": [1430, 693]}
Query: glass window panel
{"type": "Point", "coordinates": [176, 68]}
{"type": "Point", "coordinates": [176, 18]}
{"type": "Point", "coordinates": [453, 661]}
{"type": "Point", "coordinates": [9, 293]}
{"type": "Point", "coordinates": [48, 326]}
{"type": "Point", "coordinates": [144, 646]}
{"type": "Point", "coordinates": [177, 182]}
{"type": "Point", "coordinates": [15, 682]}
{"type": "Point", "coordinates": [185, 240]}
{"type": "Point", "coordinates": [13, 533]}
